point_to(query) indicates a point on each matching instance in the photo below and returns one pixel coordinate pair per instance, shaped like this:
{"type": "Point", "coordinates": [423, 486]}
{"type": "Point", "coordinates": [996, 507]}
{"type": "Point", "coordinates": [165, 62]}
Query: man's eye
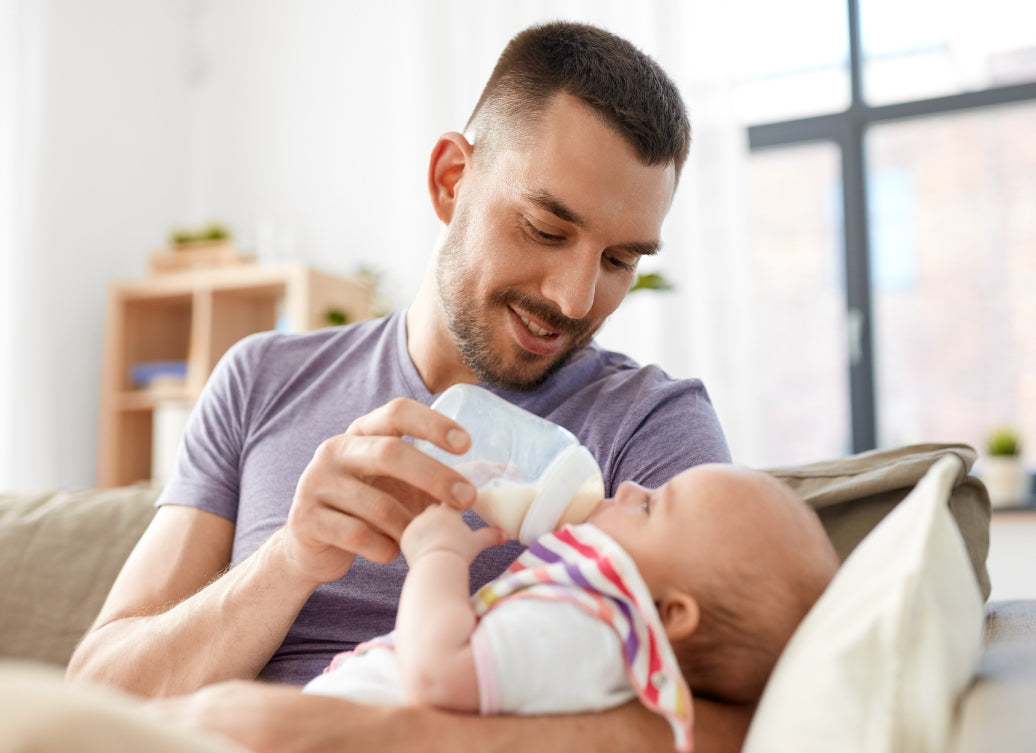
{"type": "Point", "coordinates": [539, 235]}
{"type": "Point", "coordinates": [616, 263]}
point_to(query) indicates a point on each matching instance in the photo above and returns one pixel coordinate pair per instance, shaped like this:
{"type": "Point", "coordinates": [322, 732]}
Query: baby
{"type": "Point", "coordinates": [705, 578]}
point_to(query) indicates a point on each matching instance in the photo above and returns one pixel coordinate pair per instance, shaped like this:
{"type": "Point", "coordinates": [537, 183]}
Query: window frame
{"type": "Point", "coordinates": [848, 130]}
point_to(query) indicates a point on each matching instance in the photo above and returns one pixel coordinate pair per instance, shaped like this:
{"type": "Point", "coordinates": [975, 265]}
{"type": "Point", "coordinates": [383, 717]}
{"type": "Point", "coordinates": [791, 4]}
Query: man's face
{"type": "Point", "coordinates": [544, 244]}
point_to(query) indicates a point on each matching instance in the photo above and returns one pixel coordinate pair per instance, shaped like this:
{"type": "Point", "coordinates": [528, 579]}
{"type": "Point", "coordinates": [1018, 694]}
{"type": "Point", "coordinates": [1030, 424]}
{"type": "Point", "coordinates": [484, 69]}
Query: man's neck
{"type": "Point", "coordinates": [430, 342]}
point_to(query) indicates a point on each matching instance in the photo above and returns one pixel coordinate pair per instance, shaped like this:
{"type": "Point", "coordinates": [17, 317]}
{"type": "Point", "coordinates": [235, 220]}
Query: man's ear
{"type": "Point", "coordinates": [680, 614]}
{"type": "Point", "coordinates": [451, 156]}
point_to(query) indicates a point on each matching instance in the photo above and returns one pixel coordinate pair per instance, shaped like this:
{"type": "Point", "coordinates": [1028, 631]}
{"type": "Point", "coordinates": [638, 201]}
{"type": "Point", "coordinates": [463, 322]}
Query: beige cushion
{"type": "Point", "coordinates": [852, 494]}
{"type": "Point", "coordinates": [879, 662]}
{"type": "Point", "coordinates": [39, 713]}
{"type": "Point", "coordinates": [59, 554]}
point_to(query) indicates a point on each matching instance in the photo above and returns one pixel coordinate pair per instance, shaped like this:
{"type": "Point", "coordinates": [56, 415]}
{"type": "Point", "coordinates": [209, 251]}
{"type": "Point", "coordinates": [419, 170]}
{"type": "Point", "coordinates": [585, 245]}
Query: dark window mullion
{"type": "Point", "coordinates": [858, 289]}
{"type": "Point", "coordinates": [863, 414]}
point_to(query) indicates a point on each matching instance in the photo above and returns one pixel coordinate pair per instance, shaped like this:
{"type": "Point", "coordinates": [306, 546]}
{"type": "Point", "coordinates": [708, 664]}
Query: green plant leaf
{"type": "Point", "coordinates": [651, 281]}
{"type": "Point", "coordinates": [335, 317]}
{"type": "Point", "coordinates": [1003, 440]}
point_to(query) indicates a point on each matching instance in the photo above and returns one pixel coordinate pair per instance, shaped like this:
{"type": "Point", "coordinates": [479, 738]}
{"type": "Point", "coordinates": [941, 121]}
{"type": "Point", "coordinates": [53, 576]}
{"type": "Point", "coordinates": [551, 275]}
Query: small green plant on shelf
{"type": "Point", "coordinates": [380, 305]}
{"type": "Point", "coordinates": [209, 232]}
{"type": "Point", "coordinates": [335, 317]}
{"type": "Point", "coordinates": [650, 281]}
{"type": "Point", "coordinates": [1003, 441]}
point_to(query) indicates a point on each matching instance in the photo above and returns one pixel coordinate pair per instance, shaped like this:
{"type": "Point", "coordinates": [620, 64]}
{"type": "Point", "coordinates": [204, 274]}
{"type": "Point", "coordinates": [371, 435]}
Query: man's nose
{"type": "Point", "coordinates": [571, 283]}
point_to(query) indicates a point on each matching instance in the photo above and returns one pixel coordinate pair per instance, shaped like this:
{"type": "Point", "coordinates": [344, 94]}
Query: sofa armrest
{"type": "Point", "coordinates": [59, 555]}
{"type": "Point", "coordinates": [996, 713]}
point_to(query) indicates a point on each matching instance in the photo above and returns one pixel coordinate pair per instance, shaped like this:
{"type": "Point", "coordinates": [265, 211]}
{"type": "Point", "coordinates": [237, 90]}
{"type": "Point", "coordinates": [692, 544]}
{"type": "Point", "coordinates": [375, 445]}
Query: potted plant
{"type": "Point", "coordinates": [210, 245]}
{"type": "Point", "coordinates": [1003, 471]}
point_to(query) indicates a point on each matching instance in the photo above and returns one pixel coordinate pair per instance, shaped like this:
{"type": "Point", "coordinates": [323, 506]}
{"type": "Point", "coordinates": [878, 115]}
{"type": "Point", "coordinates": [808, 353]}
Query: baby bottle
{"type": "Point", "coordinates": [532, 475]}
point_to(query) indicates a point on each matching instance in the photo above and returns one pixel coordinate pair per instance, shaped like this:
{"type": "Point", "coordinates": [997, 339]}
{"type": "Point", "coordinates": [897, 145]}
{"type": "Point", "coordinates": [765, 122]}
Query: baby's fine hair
{"type": "Point", "coordinates": [752, 607]}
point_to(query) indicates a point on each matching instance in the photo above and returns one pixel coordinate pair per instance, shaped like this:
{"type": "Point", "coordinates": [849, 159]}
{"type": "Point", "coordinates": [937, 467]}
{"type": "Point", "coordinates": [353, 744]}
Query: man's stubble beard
{"type": "Point", "coordinates": [466, 319]}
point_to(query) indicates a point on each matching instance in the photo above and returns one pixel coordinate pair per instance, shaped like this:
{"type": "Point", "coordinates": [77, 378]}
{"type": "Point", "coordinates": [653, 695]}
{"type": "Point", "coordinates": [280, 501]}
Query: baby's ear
{"type": "Point", "coordinates": [680, 614]}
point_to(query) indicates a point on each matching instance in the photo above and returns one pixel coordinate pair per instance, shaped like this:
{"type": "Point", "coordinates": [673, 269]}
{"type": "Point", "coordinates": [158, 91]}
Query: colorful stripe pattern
{"type": "Point", "coordinates": [584, 566]}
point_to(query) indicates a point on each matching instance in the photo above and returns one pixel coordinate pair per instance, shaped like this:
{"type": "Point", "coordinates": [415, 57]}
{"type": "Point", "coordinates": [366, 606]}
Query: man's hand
{"type": "Point", "coordinates": [362, 488]}
{"type": "Point", "coordinates": [441, 528]}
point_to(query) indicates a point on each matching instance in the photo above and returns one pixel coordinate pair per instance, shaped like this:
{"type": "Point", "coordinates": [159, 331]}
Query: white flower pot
{"type": "Point", "coordinates": [1006, 480]}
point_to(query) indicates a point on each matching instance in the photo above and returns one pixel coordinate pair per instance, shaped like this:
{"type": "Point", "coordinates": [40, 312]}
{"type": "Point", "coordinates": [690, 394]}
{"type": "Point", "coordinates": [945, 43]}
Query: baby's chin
{"type": "Point", "coordinates": [607, 515]}
{"type": "Point", "coordinates": [582, 511]}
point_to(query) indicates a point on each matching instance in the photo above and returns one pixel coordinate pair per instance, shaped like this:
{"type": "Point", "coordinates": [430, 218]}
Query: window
{"type": "Point", "coordinates": [955, 334]}
{"type": "Point", "coordinates": [918, 49]}
{"type": "Point", "coordinates": [801, 71]}
{"type": "Point", "coordinates": [928, 226]}
{"type": "Point", "coordinates": [795, 224]}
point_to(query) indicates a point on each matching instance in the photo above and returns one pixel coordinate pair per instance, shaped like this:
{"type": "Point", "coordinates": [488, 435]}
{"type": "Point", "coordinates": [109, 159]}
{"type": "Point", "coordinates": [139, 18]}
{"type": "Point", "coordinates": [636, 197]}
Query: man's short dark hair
{"type": "Point", "coordinates": [629, 90]}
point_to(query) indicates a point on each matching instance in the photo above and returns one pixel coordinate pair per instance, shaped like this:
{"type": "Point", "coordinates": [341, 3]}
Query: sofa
{"type": "Point", "coordinates": [60, 552]}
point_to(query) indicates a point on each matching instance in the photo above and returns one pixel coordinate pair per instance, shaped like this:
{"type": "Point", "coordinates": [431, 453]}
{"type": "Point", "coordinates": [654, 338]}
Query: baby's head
{"type": "Point", "coordinates": [734, 560]}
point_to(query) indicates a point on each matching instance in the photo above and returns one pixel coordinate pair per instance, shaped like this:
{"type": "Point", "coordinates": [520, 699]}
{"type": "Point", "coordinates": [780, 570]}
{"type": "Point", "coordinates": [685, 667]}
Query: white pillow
{"type": "Point", "coordinates": [878, 663]}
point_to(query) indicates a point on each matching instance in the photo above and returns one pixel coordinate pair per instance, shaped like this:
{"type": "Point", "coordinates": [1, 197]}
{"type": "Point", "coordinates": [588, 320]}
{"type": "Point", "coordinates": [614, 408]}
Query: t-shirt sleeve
{"type": "Point", "coordinates": [534, 656]}
{"type": "Point", "coordinates": [666, 431]}
{"type": "Point", "coordinates": [206, 471]}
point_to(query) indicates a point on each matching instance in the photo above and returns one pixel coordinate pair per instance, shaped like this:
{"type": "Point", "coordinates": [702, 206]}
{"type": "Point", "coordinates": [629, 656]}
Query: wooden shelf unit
{"type": "Point", "coordinates": [196, 315]}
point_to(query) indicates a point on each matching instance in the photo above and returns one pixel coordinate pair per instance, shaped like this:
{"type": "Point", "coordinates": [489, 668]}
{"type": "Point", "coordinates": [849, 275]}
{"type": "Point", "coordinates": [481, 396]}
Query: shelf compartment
{"type": "Point", "coordinates": [195, 315]}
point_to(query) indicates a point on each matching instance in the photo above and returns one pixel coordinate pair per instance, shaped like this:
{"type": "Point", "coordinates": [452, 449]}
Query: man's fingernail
{"type": "Point", "coordinates": [455, 438]}
{"type": "Point", "coordinates": [463, 493]}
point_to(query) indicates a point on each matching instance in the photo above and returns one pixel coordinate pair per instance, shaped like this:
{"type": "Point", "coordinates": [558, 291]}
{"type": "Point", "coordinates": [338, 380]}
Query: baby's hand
{"type": "Point", "coordinates": [441, 528]}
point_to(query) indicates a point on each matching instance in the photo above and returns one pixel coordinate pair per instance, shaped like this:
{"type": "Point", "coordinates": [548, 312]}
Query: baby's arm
{"type": "Point", "coordinates": [435, 618]}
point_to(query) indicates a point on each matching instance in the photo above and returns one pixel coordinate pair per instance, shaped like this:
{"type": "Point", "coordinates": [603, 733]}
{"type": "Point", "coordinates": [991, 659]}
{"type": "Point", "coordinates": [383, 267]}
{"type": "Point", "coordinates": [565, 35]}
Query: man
{"type": "Point", "coordinates": [557, 188]}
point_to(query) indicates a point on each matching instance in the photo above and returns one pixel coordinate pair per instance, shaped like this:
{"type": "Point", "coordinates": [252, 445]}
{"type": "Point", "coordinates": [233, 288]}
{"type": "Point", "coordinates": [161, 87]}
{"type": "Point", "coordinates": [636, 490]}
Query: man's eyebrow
{"type": "Point", "coordinates": [551, 203]}
{"type": "Point", "coordinates": [642, 248]}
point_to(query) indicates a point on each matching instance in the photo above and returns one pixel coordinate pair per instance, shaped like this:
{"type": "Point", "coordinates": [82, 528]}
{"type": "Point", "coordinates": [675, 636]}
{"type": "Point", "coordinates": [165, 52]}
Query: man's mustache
{"type": "Point", "coordinates": [543, 311]}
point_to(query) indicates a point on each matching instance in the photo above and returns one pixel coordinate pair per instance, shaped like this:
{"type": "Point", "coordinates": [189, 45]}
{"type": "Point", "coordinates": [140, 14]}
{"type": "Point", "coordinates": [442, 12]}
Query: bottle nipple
{"type": "Point", "coordinates": [569, 490]}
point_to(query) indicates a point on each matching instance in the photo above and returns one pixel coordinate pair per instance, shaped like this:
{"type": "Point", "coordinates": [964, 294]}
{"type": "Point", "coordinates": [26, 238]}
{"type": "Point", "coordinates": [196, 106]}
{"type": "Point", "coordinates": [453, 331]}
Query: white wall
{"type": "Point", "coordinates": [101, 155]}
{"type": "Point", "coordinates": [313, 119]}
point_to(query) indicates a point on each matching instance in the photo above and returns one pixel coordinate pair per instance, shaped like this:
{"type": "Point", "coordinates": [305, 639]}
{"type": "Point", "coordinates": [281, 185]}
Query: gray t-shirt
{"type": "Point", "coordinates": [275, 397]}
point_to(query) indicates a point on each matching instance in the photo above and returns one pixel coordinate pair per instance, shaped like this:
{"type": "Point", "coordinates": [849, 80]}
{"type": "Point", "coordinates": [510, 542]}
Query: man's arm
{"type": "Point", "coordinates": [280, 719]}
{"type": "Point", "coordinates": [171, 625]}
{"type": "Point", "coordinates": [175, 621]}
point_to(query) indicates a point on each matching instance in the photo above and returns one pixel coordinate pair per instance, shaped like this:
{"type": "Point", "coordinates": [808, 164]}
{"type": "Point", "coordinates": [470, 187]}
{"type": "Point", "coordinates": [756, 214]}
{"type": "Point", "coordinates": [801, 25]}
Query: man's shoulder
{"type": "Point", "coordinates": [276, 365]}
{"type": "Point", "coordinates": [599, 376]}
{"type": "Point", "coordinates": [317, 340]}
{"type": "Point", "coordinates": [605, 393]}
{"type": "Point", "coordinates": [369, 337]}
{"type": "Point", "coordinates": [640, 422]}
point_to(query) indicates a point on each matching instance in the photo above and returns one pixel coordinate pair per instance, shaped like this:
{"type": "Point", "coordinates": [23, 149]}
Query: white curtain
{"type": "Point", "coordinates": [7, 79]}
{"type": "Point", "coordinates": [93, 147]}
{"type": "Point", "coordinates": [16, 74]}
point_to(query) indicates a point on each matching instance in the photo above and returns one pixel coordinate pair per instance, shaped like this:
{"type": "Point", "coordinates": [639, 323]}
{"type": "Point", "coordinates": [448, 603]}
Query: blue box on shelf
{"type": "Point", "coordinates": [147, 372]}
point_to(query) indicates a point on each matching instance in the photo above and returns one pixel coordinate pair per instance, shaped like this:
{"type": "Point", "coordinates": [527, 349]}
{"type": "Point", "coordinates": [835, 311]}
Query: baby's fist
{"type": "Point", "coordinates": [441, 528]}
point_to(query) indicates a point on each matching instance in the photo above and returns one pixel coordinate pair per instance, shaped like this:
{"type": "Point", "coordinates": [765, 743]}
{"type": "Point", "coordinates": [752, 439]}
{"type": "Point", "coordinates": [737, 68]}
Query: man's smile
{"type": "Point", "coordinates": [535, 328]}
{"type": "Point", "coordinates": [533, 337]}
